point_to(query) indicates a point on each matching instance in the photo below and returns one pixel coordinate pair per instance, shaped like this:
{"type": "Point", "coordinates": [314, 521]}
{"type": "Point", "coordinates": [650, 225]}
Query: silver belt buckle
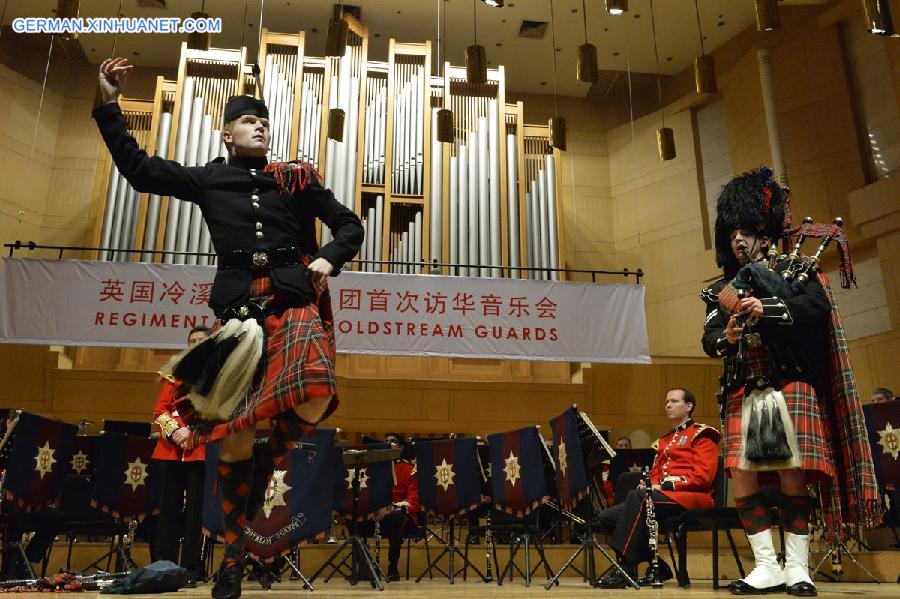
{"type": "Point", "coordinates": [260, 259]}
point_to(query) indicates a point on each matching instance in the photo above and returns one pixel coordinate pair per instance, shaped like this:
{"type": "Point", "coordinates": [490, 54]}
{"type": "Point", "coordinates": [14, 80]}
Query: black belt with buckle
{"type": "Point", "coordinates": [261, 259]}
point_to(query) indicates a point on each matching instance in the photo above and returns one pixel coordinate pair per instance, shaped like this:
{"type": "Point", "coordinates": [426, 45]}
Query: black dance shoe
{"type": "Point", "coordinates": [802, 589]}
{"type": "Point", "coordinates": [228, 580]}
{"type": "Point", "coordinates": [739, 587]}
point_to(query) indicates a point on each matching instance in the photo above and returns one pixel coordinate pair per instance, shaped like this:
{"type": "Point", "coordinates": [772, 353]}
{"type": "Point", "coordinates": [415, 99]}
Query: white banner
{"type": "Point", "coordinates": [73, 302]}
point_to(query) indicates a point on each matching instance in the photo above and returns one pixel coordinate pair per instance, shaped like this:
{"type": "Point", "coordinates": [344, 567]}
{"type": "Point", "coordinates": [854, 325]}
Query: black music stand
{"type": "Point", "coordinates": [584, 446]}
{"type": "Point", "coordinates": [362, 563]}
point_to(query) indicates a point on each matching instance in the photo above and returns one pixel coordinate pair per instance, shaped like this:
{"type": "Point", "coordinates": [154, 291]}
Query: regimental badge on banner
{"type": "Point", "coordinates": [518, 476]}
{"type": "Point", "coordinates": [572, 481]}
{"type": "Point", "coordinates": [298, 500]}
{"type": "Point", "coordinates": [376, 486]}
{"type": "Point", "coordinates": [124, 480]}
{"type": "Point", "coordinates": [39, 459]}
{"type": "Point", "coordinates": [883, 427]}
{"type": "Point", "coordinates": [449, 475]}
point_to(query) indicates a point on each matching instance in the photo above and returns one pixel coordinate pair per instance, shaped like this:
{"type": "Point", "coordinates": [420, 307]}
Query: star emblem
{"type": "Point", "coordinates": [135, 473]}
{"type": "Point", "coordinates": [45, 459]}
{"type": "Point", "coordinates": [275, 492]}
{"type": "Point", "coordinates": [634, 468]}
{"type": "Point", "coordinates": [563, 457]}
{"type": "Point", "coordinates": [363, 479]}
{"type": "Point", "coordinates": [890, 440]}
{"type": "Point", "coordinates": [512, 469]}
{"type": "Point", "coordinates": [444, 474]}
{"type": "Point", "coordinates": [80, 462]}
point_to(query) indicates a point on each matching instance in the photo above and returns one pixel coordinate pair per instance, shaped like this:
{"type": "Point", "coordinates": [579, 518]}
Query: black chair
{"type": "Point", "coordinates": [82, 520]}
{"type": "Point", "coordinates": [714, 519]}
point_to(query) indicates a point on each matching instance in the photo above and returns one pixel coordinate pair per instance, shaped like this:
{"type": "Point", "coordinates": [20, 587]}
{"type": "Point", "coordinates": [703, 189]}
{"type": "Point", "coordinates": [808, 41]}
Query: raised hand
{"type": "Point", "coordinates": [112, 77]}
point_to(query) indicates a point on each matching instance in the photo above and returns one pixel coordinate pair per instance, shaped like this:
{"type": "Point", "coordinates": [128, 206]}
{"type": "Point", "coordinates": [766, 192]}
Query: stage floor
{"type": "Point", "coordinates": [438, 589]}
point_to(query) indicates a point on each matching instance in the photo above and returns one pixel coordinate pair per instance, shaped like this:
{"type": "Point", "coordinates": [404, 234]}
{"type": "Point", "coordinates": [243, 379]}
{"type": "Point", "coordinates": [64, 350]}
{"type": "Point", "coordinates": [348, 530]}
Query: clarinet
{"type": "Point", "coordinates": [488, 548]}
{"type": "Point", "coordinates": [377, 536]}
{"type": "Point", "coordinates": [653, 528]}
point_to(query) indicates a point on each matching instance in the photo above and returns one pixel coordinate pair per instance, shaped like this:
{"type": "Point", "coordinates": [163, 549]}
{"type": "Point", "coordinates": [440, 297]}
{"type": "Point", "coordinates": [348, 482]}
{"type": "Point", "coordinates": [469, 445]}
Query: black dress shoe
{"type": "Point", "coordinates": [617, 580]}
{"type": "Point", "coordinates": [228, 580]}
{"type": "Point", "coordinates": [664, 573]}
{"type": "Point", "coordinates": [802, 589]}
{"type": "Point", "coordinates": [393, 575]}
{"type": "Point", "coordinates": [739, 587]}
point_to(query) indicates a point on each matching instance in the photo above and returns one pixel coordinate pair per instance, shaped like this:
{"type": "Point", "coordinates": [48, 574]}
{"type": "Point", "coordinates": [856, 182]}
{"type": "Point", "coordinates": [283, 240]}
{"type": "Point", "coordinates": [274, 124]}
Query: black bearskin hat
{"type": "Point", "coordinates": [238, 106]}
{"type": "Point", "coordinates": [754, 201]}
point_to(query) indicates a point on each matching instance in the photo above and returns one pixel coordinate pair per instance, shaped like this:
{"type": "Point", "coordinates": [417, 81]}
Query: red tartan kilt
{"type": "Point", "coordinates": [297, 365]}
{"type": "Point", "coordinates": [809, 424]}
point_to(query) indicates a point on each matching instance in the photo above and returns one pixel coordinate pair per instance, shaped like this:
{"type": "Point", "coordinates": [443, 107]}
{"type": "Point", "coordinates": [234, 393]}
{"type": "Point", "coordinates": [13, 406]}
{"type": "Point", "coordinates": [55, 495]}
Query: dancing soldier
{"type": "Point", "coordinates": [272, 357]}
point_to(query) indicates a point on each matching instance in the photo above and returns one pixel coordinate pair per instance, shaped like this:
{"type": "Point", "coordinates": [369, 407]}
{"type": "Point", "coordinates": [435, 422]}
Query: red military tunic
{"type": "Point", "coordinates": [406, 488]}
{"type": "Point", "coordinates": [686, 462]}
{"type": "Point", "coordinates": [165, 415]}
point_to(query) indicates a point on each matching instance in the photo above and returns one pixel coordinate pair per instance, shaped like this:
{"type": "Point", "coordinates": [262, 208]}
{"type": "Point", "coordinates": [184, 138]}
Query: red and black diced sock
{"type": "Point", "coordinates": [754, 514]}
{"type": "Point", "coordinates": [234, 484]}
{"type": "Point", "coordinates": [794, 511]}
{"type": "Point", "coordinates": [288, 429]}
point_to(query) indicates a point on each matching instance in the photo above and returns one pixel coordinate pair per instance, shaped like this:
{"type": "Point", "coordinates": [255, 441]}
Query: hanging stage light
{"type": "Point", "coordinates": [494, 3]}
{"type": "Point", "coordinates": [767, 17]}
{"type": "Point", "coordinates": [878, 17]}
{"type": "Point", "coordinates": [336, 124]}
{"type": "Point", "coordinates": [198, 40]}
{"type": "Point", "coordinates": [444, 132]}
{"type": "Point", "coordinates": [476, 57]}
{"type": "Point", "coordinates": [665, 137]}
{"type": "Point", "coordinates": [336, 41]}
{"type": "Point", "coordinates": [616, 7]}
{"type": "Point", "coordinates": [476, 64]}
{"type": "Point", "coordinates": [705, 74]}
{"type": "Point", "coordinates": [704, 65]}
{"type": "Point", "coordinates": [665, 143]}
{"type": "Point", "coordinates": [587, 67]}
{"type": "Point", "coordinates": [558, 132]}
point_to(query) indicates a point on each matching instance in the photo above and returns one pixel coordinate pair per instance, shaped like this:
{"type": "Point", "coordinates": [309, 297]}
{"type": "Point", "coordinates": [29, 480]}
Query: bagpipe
{"type": "Point", "coordinates": [786, 275]}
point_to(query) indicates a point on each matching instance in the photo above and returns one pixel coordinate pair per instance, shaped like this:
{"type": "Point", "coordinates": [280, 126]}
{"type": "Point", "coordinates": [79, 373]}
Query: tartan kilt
{"type": "Point", "coordinates": [809, 424]}
{"type": "Point", "coordinates": [298, 364]}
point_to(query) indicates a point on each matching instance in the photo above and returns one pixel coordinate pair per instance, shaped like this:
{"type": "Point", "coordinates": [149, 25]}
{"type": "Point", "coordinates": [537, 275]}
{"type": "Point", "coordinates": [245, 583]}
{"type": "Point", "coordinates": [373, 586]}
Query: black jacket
{"type": "Point", "coordinates": [794, 330]}
{"type": "Point", "coordinates": [244, 212]}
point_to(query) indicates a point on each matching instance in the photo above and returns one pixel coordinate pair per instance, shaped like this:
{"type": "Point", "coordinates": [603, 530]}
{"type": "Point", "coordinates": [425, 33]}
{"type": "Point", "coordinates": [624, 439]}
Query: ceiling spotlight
{"type": "Point", "coordinates": [494, 3]}
{"type": "Point", "coordinates": [616, 7]}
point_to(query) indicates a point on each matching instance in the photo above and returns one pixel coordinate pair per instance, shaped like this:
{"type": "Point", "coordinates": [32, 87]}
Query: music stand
{"type": "Point", "coordinates": [362, 562]}
{"type": "Point", "coordinates": [466, 480]}
{"type": "Point", "coordinates": [584, 444]}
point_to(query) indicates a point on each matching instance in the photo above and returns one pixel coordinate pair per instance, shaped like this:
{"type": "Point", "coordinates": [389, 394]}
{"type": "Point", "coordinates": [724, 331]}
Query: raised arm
{"type": "Point", "coordinates": [147, 174]}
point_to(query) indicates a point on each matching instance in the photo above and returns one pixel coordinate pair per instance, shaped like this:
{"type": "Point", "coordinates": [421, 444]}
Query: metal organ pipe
{"type": "Point", "coordinates": [472, 233]}
{"type": "Point", "coordinates": [494, 198]}
{"type": "Point", "coordinates": [484, 241]}
{"type": "Point", "coordinates": [112, 190]}
{"type": "Point", "coordinates": [437, 163]}
{"type": "Point", "coordinates": [512, 202]}
{"type": "Point", "coordinates": [184, 119]}
{"type": "Point", "coordinates": [162, 149]}
{"type": "Point", "coordinates": [463, 242]}
{"type": "Point", "coordinates": [551, 212]}
{"type": "Point", "coordinates": [454, 210]}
